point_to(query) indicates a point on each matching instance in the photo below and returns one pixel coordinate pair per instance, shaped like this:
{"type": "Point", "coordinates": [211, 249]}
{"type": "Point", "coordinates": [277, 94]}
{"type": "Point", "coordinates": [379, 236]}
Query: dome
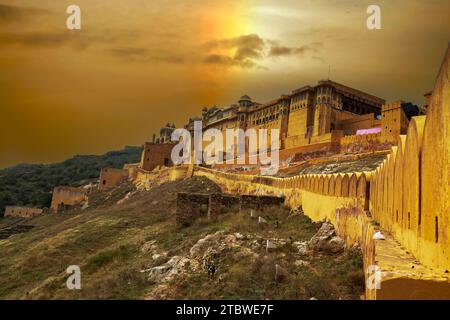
{"type": "Point", "coordinates": [245, 98]}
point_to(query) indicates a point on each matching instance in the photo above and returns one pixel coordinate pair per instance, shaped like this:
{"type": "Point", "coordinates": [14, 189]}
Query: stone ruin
{"type": "Point", "coordinates": [193, 205]}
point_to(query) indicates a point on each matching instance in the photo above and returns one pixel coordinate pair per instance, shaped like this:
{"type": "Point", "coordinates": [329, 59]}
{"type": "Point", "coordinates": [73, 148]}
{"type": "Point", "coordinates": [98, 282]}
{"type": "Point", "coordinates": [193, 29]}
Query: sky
{"type": "Point", "coordinates": [138, 64]}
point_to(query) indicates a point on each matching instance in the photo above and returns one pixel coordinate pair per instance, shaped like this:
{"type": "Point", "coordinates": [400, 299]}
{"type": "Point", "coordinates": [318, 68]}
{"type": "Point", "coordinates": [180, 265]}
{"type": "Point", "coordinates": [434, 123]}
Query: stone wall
{"type": "Point", "coordinates": [64, 198]}
{"type": "Point", "coordinates": [193, 205]}
{"type": "Point", "coordinates": [217, 201]}
{"type": "Point", "coordinates": [407, 197]}
{"type": "Point", "coordinates": [23, 212]}
{"type": "Point", "coordinates": [259, 202]}
{"type": "Point", "coordinates": [149, 179]}
{"type": "Point", "coordinates": [190, 206]}
{"type": "Point", "coordinates": [110, 178]}
{"type": "Point", "coordinates": [156, 154]}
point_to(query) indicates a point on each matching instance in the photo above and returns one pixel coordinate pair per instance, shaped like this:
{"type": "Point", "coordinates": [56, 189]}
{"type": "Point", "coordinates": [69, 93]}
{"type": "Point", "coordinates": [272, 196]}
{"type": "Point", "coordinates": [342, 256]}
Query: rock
{"type": "Point", "coordinates": [280, 273]}
{"type": "Point", "coordinates": [301, 263]}
{"type": "Point", "coordinates": [127, 196]}
{"type": "Point", "coordinates": [198, 250]}
{"type": "Point", "coordinates": [156, 256]}
{"type": "Point", "coordinates": [326, 240]}
{"type": "Point", "coordinates": [335, 245]}
{"type": "Point", "coordinates": [379, 236]}
{"type": "Point", "coordinates": [84, 205]}
{"type": "Point", "coordinates": [302, 247]}
{"type": "Point", "coordinates": [159, 270]}
{"type": "Point", "coordinates": [240, 236]}
{"type": "Point", "coordinates": [255, 245]}
{"type": "Point", "coordinates": [149, 246]}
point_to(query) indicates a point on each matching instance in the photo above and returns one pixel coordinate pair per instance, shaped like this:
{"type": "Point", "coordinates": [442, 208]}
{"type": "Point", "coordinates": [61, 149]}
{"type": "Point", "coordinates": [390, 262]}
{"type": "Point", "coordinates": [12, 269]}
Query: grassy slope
{"type": "Point", "coordinates": [106, 239]}
{"type": "Point", "coordinates": [31, 184]}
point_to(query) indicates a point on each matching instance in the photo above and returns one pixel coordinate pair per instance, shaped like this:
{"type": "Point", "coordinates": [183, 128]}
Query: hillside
{"type": "Point", "coordinates": [134, 250]}
{"type": "Point", "coordinates": [31, 184]}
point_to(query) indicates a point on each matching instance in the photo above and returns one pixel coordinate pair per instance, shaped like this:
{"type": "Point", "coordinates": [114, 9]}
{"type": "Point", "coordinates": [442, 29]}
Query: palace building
{"type": "Point", "coordinates": [327, 116]}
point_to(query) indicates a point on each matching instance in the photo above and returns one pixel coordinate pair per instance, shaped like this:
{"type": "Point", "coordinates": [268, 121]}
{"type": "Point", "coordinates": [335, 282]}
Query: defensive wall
{"type": "Point", "coordinates": [110, 178]}
{"type": "Point", "coordinates": [407, 197]}
{"type": "Point", "coordinates": [23, 212]}
{"type": "Point", "coordinates": [64, 198]}
{"type": "Point", "coordinates": [149, 179]}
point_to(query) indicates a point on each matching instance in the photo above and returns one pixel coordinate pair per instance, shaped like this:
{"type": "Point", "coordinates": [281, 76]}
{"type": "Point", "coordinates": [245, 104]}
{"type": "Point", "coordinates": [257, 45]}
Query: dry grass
{"type": "Point", "coordinates": [105, 241]}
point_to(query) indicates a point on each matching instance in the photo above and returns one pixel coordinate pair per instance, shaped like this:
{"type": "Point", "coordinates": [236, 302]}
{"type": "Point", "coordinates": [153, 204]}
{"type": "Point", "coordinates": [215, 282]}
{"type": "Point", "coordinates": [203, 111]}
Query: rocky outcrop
{"type": "Point", "coordinates": [326, 240]}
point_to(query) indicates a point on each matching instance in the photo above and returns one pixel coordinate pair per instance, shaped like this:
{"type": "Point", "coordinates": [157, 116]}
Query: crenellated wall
{"type": "Point", "coordinates": [148, 179]}
{"type": "Point", "coordinates": [411, 189]}
{"type": "Point", "coordinates": [407, 196]}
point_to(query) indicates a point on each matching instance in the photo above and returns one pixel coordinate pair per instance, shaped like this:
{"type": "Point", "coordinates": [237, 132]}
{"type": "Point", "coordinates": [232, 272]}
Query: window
{"type": "Point", "coordinates": [104, 182]}
{"type": "Point", "coordinates": [436, 230]}
{"type": "Point", "coordinates": [409, 220]}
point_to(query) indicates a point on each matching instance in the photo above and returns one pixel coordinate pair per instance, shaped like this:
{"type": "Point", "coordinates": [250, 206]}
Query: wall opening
{"type": "Point", "coordinates": [420, 192]}
{"type": "Point", "coordinates": [104, 182]}
{"type": "Point", "coordinates": [396, 216]}
{"type": "Point", "coordinates": [409, 220]}
{"type": "Point", "coordinates": [366, 204]}
{"type": "Point", "coordinates": [166, 162]}
{"type": "Point", "coordinates": [436, 229]}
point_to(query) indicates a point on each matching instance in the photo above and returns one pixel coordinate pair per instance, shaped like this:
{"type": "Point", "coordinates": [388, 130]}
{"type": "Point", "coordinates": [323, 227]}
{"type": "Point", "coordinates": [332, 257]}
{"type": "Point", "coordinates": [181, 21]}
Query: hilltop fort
{"type": "Point", "coordinates": [377, 171]}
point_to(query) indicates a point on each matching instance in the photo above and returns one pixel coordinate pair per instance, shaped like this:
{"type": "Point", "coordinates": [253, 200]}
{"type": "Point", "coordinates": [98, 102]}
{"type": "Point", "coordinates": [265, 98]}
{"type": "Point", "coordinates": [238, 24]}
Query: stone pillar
{"type": "Point", "coordinates": [214, 205]}
{"type": "Point", "coordinates": [189, 207]}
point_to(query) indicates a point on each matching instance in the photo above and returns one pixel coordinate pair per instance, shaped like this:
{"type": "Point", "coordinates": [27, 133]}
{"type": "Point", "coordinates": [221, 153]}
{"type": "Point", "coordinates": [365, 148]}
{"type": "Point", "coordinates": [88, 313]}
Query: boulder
{"type": "Point", "coordinates": [302, 247]}
{"type": "Point", "coordinates": [335, 245]}
{"type": "Point", "coordinates": [326, 240]}
{"type": "Point", "coordinates": [301, 263]}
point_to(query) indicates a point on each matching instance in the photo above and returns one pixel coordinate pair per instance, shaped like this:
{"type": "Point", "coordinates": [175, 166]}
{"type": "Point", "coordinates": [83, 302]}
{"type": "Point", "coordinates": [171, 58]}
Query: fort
{"type": "Point", "coordinates": [347, 157]}
{"type": "Point", "coordinates": [404, 197]}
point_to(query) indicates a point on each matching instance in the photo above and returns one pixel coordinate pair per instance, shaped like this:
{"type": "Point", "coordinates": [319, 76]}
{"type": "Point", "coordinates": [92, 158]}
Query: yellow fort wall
{"type": "Point", "coordinates": [407, 197]}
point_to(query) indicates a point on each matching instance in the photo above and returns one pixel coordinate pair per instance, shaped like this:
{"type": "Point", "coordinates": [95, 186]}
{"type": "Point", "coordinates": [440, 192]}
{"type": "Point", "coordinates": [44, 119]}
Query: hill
{"type": "Point", "coordinates": [31, 184]}
{"type": "Point", "coordinates": [133, 249]}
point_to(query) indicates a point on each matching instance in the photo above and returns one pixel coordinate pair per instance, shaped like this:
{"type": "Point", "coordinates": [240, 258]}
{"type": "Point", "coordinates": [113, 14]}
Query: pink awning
{"type": "Point", "coordinates": [368, 131]}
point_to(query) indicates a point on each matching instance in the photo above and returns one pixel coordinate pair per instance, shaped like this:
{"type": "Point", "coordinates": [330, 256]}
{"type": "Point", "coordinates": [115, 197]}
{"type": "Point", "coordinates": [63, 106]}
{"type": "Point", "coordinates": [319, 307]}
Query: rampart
{"type": "Point", "coordinates": [65, 198]}
{"type": "Point", "coordinates": [23, 212]}
{"type": "Point", "coordinates": [148, 179]}
{"type": "Point", "coordinates": [407, 198]}
{"type": "Point", "coordinates": [110, 178]}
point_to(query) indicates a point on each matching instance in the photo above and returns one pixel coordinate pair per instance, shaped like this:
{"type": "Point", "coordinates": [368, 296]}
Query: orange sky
{"type": "Point", "coordinates": [137, 64]}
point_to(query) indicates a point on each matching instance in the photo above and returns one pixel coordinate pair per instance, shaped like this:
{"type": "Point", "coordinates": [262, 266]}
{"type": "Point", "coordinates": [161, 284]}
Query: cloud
{"type": "Point", "coordinates": [49, 39]}
{"type": "Point", "coordinates": [245, 51]}
{"type": "Point", "coordinates": [277, 50]}
{"type": "Point", "coordinates": [250, 48]}
{"type": "Point", "coordinates": [34, 39]}
{"type": "Point", "coordinates": [141, 54]}
{"type": "Point", "coordinates": [13, 13]}
{"type": "Point", "coordinates": [246, 48]}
